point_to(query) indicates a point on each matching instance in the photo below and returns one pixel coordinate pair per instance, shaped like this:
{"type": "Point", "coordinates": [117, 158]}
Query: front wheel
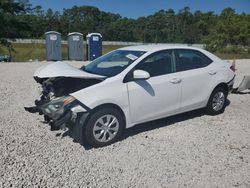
{"type": "Point", "coordinates": [104, 127]}
{"type": "Point", "coordinates": [217, 101]}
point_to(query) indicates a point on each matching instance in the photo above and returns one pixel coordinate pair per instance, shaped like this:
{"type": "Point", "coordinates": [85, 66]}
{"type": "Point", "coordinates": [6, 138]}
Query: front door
{"type": "Point", "coordinates": [159, 95]}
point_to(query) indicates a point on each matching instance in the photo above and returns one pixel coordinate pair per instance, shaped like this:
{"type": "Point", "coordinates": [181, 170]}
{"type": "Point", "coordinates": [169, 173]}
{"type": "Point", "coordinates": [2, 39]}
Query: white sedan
{"type": "Point", "coordinates": [132, 85]}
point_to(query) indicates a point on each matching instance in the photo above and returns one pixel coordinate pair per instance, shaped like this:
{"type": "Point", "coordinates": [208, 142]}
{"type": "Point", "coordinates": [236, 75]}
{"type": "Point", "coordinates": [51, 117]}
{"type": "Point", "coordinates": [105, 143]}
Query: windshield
{"type": "Point", "coordinates": [113, 63]}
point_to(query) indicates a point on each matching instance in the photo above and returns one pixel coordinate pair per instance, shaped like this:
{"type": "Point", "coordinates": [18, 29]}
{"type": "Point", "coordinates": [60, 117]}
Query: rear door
{"type": "Point", "coordinates": [159, 95]}
{"type": "Point", "coordinates": [195, 70]}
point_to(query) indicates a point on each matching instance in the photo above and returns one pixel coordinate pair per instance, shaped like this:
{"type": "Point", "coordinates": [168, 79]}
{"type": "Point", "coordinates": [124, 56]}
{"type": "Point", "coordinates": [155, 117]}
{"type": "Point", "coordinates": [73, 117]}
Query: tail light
{"type": "Point", "coordinates": [233, 66]}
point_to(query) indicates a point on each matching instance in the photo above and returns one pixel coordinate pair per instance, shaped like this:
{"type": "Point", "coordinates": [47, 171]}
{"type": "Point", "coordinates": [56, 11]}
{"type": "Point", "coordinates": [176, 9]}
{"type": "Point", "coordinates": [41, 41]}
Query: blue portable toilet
{"type": "Point", "coordinates": [53, 46]}
{"type": "Point", "coordinates": [94, 42]}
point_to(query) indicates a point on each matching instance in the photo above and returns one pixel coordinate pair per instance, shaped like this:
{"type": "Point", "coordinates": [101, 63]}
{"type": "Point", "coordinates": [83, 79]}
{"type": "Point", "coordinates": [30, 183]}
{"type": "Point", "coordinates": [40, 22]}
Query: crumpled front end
{"type": "Point", "coordinates": [62, 110]}
{"type": "Point", "coordinates": [56, 103]}
{"type": "Point", "coordinates": [56, 82]}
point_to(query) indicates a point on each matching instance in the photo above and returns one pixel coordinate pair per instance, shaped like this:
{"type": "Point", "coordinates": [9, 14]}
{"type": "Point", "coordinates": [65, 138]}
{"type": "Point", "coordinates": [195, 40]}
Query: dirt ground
{"type": "Point", "coordinates": [187, 150]}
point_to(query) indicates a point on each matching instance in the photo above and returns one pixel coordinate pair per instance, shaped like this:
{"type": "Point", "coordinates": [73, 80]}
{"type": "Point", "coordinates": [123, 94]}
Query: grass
{"type": "Point", "coordinates": [26, 52]}
{"type": "Point", "coordinates": [233, 55]}
{"type": "Point", "coordinates": [108, 48]}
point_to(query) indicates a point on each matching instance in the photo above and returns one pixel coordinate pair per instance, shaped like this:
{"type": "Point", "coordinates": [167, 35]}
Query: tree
{"type": "Point", "coordinates": [82, 19]}
{"type": "Point", "coordinates": [19, 19]}
{"type": "Point", "coordinates": [229, 29]}
{"type": "Point", "coordinates": [10, 25]}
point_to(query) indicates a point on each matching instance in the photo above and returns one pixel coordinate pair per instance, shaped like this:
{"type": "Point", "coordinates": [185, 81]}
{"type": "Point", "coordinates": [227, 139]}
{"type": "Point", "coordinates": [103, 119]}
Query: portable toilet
{"type": "Point", "coordinates": [94, 42]}
{"type": "Point", "coordinates": [75, 46]}
{"type": "Point", "coordinates": [53, 46]}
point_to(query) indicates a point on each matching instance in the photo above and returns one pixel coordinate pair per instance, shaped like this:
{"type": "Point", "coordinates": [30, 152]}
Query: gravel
{"type": "Point", "coordinates": [188, 150]}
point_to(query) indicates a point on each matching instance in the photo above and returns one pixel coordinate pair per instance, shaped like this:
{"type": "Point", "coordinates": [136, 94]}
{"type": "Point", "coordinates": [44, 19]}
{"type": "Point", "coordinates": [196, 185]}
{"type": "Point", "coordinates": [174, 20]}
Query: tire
{"type": "Point", "coordinates": [217, 101]}
{"type": "Point", "coordinates": [104, 127]}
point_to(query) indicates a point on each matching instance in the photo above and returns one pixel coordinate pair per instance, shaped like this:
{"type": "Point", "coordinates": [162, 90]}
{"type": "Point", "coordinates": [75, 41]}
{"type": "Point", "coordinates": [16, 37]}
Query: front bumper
{"type": "Point", "coordinates": [64, 115]}
{"type": "Point", "coordinates": [62, 120]}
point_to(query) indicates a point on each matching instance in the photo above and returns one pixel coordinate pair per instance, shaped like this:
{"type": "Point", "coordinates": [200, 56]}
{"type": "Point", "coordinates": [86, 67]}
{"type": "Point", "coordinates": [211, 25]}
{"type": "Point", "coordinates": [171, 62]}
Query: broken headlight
{"type": "Point", "coordinates": [56, 108]}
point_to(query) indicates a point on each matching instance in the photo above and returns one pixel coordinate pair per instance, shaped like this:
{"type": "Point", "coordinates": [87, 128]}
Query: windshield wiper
{"type": "Point", "coordinates": [83, 67]}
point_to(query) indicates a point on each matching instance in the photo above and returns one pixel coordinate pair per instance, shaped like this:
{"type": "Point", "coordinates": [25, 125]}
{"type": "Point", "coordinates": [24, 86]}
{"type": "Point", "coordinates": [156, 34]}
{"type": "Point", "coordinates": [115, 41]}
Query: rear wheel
{"type": "Point", "coordinates": [104, 127]}
{"type": "Point", "coordinates": [217, 101]}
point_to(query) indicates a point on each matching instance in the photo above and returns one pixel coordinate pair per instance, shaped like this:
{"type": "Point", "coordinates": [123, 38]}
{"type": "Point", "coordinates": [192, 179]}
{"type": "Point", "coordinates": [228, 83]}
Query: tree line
{"type": "Point", "coordinates": [20, 19]}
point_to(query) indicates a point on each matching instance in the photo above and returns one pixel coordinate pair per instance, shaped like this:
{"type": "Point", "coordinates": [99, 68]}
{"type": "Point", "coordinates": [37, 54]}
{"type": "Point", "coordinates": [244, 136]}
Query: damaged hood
{"type": "Point", "coordinates": [60, 69]}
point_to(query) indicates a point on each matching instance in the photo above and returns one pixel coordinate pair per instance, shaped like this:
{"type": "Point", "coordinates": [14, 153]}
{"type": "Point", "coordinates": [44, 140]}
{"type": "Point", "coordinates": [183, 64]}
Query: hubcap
{"type": "Point", "coordinates": [105, 128]}
{"type": "Point", "coordinates": [218, 101]}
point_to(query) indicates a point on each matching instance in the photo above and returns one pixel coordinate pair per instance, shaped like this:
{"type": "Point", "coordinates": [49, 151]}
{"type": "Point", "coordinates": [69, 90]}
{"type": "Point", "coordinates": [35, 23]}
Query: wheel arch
{"type": "Point", "coordinates": [106, 105]}
{"type": "Point", "coordinates": [111, 105]}
{"type": "Point", "coordinates": [221, 84]}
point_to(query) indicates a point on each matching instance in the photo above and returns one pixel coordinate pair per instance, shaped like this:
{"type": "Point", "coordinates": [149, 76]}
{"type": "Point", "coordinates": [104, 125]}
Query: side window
{"type": "Point", "coordinates": [157, 64]}
{"type": "Point", "coordinates": [190, 59]}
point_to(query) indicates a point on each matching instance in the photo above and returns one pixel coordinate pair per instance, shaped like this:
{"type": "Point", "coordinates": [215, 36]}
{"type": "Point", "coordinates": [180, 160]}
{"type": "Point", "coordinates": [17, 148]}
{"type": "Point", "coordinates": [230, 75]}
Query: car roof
{"type": "Point", "coordinates": [157, 47]}
{"type": "Point", "coordinates": [151, 48]}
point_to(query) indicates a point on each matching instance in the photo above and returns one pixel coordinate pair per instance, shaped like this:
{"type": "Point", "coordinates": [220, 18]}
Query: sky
{"type": "Point", "coordinates": [137, 8]}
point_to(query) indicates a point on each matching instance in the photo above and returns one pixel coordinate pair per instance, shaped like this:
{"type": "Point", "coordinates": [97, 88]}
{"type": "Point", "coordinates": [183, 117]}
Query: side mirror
{"type": "Point", "coordinates": [141, 75]}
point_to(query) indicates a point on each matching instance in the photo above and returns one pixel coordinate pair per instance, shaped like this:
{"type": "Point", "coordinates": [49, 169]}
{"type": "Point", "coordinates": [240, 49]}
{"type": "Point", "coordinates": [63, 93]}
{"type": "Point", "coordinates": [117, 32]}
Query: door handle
{"type": "Point", "coordinates": [212, 72]}
{"type": "Point", "coordinates": [176, 80]}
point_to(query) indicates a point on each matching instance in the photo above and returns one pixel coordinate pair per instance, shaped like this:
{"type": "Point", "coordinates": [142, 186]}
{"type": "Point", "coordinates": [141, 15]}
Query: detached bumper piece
{"type": "Point", "coordinates": [244, 85]}
{"type": "Point", "coordinates": [32, 109]}
{"type": "Point", "coordinates": [61, 122]}
{"type": "Point", "coordinates": [37, 107]}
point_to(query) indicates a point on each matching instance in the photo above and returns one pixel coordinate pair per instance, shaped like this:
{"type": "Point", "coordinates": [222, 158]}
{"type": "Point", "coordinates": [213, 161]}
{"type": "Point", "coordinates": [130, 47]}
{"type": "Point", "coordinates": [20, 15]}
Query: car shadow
{"type": "Point", "coordinates": [145, 127]}
{"type": "Point", "coordinates": [240, 92]}
{"type": "Point", "coordinates": [164, 122]}
{"type": "Point", "coordinates": [159, 123]}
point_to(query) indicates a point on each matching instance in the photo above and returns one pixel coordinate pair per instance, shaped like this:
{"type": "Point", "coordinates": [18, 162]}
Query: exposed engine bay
{"type": "Point", "coordinates": [52, 88]}
{"type": "Point", "coordinates": [51, 91]}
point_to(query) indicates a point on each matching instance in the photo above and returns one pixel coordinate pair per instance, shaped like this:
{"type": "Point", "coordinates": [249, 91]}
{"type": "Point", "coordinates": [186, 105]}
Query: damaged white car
{"type": "Point", "coordinates": [129, 86]}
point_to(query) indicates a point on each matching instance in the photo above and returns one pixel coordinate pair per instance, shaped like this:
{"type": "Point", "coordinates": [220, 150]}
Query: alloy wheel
{"type": "Point", "coordinates": [105, 128]}
{"type": "Point", "coordinates": [218, 101]}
